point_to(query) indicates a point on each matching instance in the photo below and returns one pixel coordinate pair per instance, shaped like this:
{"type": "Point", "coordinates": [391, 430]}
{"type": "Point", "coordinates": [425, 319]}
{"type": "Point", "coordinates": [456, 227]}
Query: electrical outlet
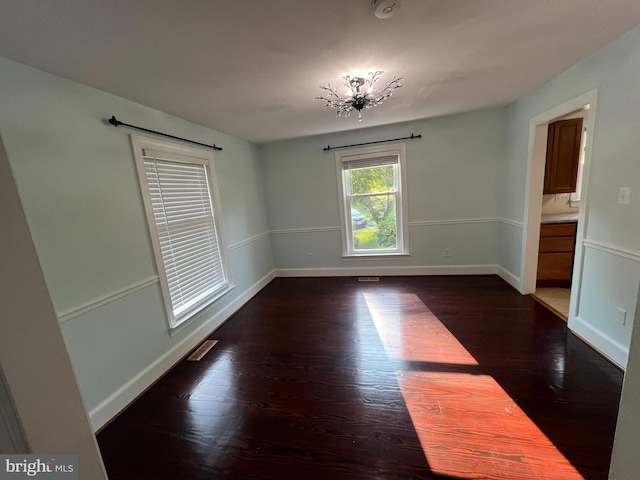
{"type": "Point", "coordinates": [562, 197]}
{"type": "Point", "coordinates": [621, 316]}
{"type": "Point", "coordinates": [310, 257]}
{"type": "Point", "coordinates": [623, 195]}
{"type": "Point", "coordinates": [447, 252]}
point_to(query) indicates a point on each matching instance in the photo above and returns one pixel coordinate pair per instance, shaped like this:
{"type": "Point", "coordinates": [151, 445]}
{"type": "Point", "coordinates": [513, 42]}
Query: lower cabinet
{"type": "Point", "coordinates": [555, 257]}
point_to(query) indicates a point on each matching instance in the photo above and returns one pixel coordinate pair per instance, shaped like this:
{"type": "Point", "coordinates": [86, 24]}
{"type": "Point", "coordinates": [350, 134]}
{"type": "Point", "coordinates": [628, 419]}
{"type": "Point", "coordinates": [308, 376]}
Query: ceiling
{"type": "Point", "coordinates": [251, 68]}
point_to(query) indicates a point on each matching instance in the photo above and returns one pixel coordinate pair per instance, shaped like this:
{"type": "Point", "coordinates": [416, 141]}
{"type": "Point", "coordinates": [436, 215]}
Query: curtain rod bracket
{"type": "Point", "coordinates": [115, 122]}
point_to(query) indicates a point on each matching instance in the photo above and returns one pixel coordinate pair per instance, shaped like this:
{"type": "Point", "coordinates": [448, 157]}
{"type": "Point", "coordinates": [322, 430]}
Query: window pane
{"type": "Point", "coordinates": [372, 180]}
{"type": "Point", "coordinates": [379, 230]}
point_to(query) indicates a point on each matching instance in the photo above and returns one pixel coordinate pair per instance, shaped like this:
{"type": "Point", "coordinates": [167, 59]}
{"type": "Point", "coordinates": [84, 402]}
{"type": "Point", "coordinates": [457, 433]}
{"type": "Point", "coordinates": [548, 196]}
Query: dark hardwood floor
{"type": "Point", "coordinates": [408, 378]}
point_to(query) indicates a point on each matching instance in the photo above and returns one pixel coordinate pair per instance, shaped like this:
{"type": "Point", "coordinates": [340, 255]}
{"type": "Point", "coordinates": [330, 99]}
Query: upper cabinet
{"type": "Point", "coordinates": [563, 156]}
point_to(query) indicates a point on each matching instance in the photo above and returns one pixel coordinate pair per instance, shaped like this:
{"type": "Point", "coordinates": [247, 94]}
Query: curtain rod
{"type": "Point", "coordinates": [412, 137]}
{"type": "Point", "coordinates": [115, 122]}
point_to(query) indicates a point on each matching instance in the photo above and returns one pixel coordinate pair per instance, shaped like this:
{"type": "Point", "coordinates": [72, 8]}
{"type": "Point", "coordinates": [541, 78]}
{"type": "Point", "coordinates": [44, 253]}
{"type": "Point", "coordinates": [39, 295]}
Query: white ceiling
{"type": "Point", "coordinates": [251, 68]}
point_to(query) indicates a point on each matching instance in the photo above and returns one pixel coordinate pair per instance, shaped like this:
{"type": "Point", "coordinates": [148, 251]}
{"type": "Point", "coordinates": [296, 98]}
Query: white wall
{"type": "Point", "coordinates": [611, 269]}
{"type": "Point", "coordinates": [625, 461]}
{"type": "Point", "coordinates": [46, 413]}
{"type": "Point", "coordinates": [77, 180]}
{"type": "Point", "coordinates": [453, 191]}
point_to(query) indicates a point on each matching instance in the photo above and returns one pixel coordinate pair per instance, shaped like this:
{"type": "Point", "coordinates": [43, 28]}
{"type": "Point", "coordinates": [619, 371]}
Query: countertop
{"type": "Point", "coordinates": [559, 218]}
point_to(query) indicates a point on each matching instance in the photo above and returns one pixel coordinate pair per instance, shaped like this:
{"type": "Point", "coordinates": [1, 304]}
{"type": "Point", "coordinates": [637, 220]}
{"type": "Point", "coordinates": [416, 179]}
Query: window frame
{"type": "Point", "coordinates": [575, 197]}
{"type": "Point", "coordinates": [402, 224]}
{"type": "Point", "coordinates": [193, 156]}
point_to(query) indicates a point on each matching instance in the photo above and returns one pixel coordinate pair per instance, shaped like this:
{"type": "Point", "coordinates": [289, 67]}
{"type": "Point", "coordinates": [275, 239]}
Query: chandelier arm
{"type": "Point", "coordinates": [333, 92]}
{"type": "Point", "coordinates": [375, 76]}
{"type": "Point", "coordinates": [388, 89]}
{"type": "Point", "coordinates": [341, 107]}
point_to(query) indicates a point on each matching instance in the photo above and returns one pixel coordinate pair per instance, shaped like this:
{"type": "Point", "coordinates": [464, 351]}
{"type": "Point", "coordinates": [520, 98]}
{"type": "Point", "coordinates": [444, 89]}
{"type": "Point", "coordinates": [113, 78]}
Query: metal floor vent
{"type": "Point", "coordinates": [368, 279]}
{"type": "Point", "coordinates": [202, 350]}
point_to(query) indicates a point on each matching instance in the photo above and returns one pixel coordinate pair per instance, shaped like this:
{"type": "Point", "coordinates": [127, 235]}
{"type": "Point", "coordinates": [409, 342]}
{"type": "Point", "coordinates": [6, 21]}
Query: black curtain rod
{"type": "Point", "coordinates": [115, 122]}
{"type": "Point", "coordinates": [412, 137]}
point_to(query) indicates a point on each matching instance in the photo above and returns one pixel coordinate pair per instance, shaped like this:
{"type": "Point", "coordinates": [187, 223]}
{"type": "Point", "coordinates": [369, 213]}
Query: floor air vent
{"type": "Point", "coordinates": [202, 350]}
{"type": "Point", "coordinates": [368, 279]}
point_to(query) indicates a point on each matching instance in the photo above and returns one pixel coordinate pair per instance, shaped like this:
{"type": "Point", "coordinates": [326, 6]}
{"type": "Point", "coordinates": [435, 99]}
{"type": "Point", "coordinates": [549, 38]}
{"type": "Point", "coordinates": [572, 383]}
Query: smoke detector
{"type": "Point", "coordinates": [386, 8]}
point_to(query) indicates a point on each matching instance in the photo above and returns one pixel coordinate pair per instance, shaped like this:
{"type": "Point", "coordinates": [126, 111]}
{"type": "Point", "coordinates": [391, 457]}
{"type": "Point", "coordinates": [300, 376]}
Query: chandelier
{"type": "Point", "coordinates": [360, 94]}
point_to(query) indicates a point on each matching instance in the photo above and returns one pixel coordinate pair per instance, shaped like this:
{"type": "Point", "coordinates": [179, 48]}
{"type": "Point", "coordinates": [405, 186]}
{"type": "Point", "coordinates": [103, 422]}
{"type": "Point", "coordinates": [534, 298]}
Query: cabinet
{"type": "Point", "coordinates": [563, 156]}
{"type": "Point", "coordinates": [555, 257]}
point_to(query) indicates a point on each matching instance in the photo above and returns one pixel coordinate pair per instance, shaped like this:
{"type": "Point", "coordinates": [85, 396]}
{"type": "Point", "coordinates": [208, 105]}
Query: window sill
{"type": "Point", "coordinates": [375, 256]}
{"type": "Point", "coordinates": [184, 322]}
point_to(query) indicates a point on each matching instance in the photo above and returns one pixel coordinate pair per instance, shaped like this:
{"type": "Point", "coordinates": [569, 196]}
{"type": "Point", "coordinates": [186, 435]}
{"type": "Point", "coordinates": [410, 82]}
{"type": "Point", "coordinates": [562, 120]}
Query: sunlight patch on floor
{"type": "Point", "coordinates": [468, 426]}
{"type": "Point", "coordinates": [402, 320]}
{"type": "Point", "coordinates": [456, 416]}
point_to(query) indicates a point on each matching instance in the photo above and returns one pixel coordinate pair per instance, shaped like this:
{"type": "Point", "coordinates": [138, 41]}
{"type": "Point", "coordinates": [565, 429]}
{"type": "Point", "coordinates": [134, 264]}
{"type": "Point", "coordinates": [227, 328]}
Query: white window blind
{"type": "Point", "coordinates": [182, 214]}
{"type": "Point", "coordinates": [381, 161]}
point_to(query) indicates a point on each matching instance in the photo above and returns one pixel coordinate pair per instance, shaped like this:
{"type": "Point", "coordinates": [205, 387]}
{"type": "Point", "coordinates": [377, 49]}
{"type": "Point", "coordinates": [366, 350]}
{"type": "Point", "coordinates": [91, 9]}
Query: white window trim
{"type": "Point", "coordinates": [188, 155]}
{"type": "Point", "coordinates": [575, 197]}
{"type": "Point", "coordinates": [402, 207]}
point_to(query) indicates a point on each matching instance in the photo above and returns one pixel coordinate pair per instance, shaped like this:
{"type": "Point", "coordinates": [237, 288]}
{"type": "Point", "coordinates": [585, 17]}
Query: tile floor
{"type": "Point", "coordinates": [555, 299]}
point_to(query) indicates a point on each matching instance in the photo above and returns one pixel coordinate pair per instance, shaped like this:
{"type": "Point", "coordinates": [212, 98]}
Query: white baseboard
{"type": "Point", "coordinates": [508, 277]}
{"type": "Point", "coordinates": [599, 341]}
{"type": "Point", "coordinates": [388, 271]}
{"type": "Point", "coordinates": [121, 398]}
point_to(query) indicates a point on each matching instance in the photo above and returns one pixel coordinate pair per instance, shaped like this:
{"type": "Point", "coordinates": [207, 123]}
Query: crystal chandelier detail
{"type": "Point", "coordinates": [360, 94]}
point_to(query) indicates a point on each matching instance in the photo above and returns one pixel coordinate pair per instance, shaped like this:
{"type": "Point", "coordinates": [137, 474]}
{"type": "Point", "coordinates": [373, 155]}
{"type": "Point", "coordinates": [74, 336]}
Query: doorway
{"type": "Point", "coordinates": [564, 166]}
{"type": "Point", "coordinates": [534, 198]}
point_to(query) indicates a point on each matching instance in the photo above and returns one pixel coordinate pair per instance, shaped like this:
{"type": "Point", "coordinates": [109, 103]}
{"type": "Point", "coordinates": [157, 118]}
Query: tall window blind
{"type": "Point", "coordinates": [182, 211]}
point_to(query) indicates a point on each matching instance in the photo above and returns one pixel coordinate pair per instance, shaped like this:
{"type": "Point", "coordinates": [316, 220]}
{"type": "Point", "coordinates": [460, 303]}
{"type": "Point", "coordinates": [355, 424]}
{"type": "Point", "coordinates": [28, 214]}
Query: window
{"type": "Point", "coordinates": [373, 207]}
{"type": "Point", "coordinates": [574, 199]}
{"type": "Point", "coordinates": [183, 212]}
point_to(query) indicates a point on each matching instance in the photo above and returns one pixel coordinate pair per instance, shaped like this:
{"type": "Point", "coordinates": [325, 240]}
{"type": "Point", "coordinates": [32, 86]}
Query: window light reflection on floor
{"type": "Point", "coordinates": [457, 414]}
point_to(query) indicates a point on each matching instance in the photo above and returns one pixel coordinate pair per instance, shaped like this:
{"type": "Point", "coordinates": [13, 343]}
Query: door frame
{"type": "Point", "coordinates": [533, 196]}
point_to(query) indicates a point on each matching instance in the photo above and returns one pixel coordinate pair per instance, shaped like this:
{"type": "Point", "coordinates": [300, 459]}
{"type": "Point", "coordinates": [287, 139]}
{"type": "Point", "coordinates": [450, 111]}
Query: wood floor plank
{"type": "Point", "coordinates": [406, 378]}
